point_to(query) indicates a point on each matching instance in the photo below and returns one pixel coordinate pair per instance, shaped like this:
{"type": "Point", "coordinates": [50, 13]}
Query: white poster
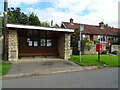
{"type": "Point", "coordinates": [35, 43]}
{"type": "Point", "coordinates": [29, 43]}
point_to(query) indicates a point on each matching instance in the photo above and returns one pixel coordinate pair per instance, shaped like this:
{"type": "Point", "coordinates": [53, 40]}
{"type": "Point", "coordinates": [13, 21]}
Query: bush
{"type": "Point", "coordinates": [104, 52]}
{"type": "Point", "coordinates": [114, 52]}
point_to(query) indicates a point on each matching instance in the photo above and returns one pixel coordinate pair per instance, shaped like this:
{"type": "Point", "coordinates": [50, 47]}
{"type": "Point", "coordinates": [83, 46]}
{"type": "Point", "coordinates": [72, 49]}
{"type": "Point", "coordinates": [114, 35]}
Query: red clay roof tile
{"type": "Point", "coordinates": [92, 29]}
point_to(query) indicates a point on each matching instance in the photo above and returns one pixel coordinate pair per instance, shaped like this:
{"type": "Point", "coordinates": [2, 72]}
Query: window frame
{"type": "Point", "coordinates": [102, 37]}
{"type": "Point", "coordinates": [32, 39]}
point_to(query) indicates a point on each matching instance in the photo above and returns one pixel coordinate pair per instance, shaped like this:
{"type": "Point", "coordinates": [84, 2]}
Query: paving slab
{"type": "Point", "coordinates": [40, 66]}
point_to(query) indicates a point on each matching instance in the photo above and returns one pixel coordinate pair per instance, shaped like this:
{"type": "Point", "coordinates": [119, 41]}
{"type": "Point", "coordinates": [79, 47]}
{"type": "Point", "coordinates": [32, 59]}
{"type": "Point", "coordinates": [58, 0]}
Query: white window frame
{"type": "Point", "coordinates": [114, 38]}
{"type": "Point", "coordinates": [102, 37]}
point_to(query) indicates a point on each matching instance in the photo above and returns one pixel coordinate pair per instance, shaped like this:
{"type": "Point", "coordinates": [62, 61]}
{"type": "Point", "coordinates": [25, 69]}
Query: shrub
{"type": "Point", "coordinates": [104, 52]}
{"type": "Point", "coordinates": [114, 52]}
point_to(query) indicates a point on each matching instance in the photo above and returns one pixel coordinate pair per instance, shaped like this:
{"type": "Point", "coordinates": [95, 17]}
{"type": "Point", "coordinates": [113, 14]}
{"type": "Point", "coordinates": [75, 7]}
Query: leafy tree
{"type": "Point", "coordinates": [44, 24]}
{"type": "Point", "coordinates": [33, 19]}
{"type": "Point", "coordinates": [107, 26]}
{"type": "Point", "coordinates": [1, 25]}
{"type": "Point", "coordinates": [17, 17]}
{"type": "Point", "coordinates": [85, 43]}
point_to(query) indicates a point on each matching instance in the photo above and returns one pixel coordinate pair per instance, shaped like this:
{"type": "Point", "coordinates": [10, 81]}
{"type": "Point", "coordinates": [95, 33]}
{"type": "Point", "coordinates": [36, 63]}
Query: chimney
{"type": "Point", "coordinates": [71, 21]}
{"type": "Point", "coordinates": [101, 24]}
{"type": "Point", "coordinates": [51, 23]}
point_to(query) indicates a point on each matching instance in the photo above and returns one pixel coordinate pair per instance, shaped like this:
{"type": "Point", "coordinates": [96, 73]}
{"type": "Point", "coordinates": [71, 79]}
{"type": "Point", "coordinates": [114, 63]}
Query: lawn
{"type": "Point", "coordinates": [92, 60]}
{"type": "Point", "coordinates": [4, 66]}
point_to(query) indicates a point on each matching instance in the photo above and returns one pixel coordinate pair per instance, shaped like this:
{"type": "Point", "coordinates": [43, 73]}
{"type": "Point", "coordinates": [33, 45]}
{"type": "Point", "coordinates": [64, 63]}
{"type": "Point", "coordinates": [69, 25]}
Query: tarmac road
{"type": "Point", "coordinates": [100, 78]}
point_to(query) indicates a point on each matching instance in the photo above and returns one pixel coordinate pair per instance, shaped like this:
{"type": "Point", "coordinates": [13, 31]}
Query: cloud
{"type": "Point", "coordinates": [17, 3]}
{"type": "Point", "coordinates": [82, 11]}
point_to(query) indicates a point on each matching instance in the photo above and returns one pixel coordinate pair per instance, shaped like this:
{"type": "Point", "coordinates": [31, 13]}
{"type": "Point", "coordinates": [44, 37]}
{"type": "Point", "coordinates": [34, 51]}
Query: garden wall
{"type": "Point", "coordinates": [115, 48]}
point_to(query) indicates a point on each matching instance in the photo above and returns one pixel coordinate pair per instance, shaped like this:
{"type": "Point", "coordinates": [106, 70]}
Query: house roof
{"type": "Point", "coordinates": [92, 29]}
{"type": "Point", "coordinates": [38, 28]}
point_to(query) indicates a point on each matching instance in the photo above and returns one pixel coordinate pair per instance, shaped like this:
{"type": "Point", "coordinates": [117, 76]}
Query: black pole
{"type": "Point", "coordinates": [98, 56]}
{"type": "Point", "coordinates": [5, 43]}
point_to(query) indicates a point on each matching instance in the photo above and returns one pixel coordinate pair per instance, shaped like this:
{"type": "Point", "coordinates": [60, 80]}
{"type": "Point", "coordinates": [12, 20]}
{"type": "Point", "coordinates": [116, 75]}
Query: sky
{"type": "Point", "coordinates": [82, 11]}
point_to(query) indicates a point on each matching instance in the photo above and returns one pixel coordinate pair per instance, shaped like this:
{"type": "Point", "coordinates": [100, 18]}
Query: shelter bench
{"type": "Point", "coordinates": [36, 54]}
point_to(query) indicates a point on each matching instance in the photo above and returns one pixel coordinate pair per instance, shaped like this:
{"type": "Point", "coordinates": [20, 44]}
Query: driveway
{"type": "Point", "coordinates": [41, 65]}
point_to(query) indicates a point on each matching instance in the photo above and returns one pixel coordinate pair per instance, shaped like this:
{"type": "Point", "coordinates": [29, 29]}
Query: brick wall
{"type": "Point", "coordinates": [95, 37]}
{"type": "Point", "coordinates": [13, 46]}
{"type": "Point", "coordinates": [87, 36]}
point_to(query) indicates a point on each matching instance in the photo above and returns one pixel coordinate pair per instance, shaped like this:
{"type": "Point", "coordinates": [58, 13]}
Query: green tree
{"type": "Point", "coordinates": [1, 25]}
{"type": "Point", "coordinates": [33, 19]}
{"type": "Point", "coordinates": [17, 17]}
{"type": "Point", "coordinates": [107, 26]}
{"type": "Point", "coordinates": [44, 24]}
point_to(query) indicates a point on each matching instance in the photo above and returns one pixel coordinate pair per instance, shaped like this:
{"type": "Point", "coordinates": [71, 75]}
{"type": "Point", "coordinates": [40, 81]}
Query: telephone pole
{"type": "Point", "coordinates": [5, 41]}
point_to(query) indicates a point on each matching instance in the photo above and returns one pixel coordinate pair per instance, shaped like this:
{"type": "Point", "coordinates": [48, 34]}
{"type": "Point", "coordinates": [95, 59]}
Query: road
{"type": "Point", "coordinates": [101, 78]}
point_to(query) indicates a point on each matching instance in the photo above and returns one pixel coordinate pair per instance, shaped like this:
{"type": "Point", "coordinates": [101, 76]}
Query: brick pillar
{"type": "Point", "coordinates": [13, 45]}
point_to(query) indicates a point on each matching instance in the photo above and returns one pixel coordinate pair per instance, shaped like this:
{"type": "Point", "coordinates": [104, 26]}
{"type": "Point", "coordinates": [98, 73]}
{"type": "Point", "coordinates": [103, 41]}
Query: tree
{"type": "Point", "coordinates": [44, 24]}
{"type": "Point", "coordinates": [85, 43]}
{"type": "Point", "coordinates": [1, 25]}
{"type": "Point", "coordinates": [33, 19]}
{"type": "Point", "coordinates": [107, 26]}
{"type": "Point", "coordinates": [17, 17]}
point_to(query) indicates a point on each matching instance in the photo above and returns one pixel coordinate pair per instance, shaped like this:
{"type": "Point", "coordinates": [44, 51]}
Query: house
{"type": "Point", "coordinates": [27, 40]}
{"type": "Point", "coordinates": [106, 35]}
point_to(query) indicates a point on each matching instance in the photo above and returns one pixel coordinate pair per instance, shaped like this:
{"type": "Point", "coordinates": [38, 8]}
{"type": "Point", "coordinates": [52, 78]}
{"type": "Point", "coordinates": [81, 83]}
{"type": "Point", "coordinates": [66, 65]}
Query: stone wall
{"type": "Point", "coordinates": [67, 46]}
{"type": "Point", "coordinates": [91, 51]}
{"type": "Point", "coordinates": [115, 48]}
{"type": "Point", "coordinates": [13, 45]}
{"type": "Point", "coordinates": [64, 46]}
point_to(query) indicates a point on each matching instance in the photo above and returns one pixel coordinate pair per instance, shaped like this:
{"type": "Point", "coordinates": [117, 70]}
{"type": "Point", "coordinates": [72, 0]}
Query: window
{"type": "Point", "coordinates": [38, 42]}
{"type": "Point", "coordinates": [35, 43]}
{"type": "Point", "coordinates": [113, 38]}
{"type": "Point", "coordinates": [29, 42]}
{"type": "Point", "coordinates": [49, 42]}
{"type": "Point", "coordinates": [102, 38]}
{"type": "Point", "coordinates": [42, 42]}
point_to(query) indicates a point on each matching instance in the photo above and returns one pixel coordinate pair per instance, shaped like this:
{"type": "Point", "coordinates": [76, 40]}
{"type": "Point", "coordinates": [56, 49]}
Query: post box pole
{"type": "Point", "coordinates": [98, 56]}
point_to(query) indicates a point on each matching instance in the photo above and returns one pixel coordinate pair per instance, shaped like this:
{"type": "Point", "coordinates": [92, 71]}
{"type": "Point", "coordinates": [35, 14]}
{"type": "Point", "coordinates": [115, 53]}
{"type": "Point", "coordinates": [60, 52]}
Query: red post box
{"type": "Point", "coordinates": [99, 47]}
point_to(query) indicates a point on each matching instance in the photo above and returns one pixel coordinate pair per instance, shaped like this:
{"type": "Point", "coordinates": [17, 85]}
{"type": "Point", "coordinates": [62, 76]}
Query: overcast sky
{"type": "Point", "coordinates": [82, 11]}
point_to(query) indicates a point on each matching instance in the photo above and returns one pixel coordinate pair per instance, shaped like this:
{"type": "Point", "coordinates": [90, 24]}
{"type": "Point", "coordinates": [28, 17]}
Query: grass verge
{"type": "Point", "coordinates": [4, 66]}
{"type": "Point", "coordinates": [91, 60]}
